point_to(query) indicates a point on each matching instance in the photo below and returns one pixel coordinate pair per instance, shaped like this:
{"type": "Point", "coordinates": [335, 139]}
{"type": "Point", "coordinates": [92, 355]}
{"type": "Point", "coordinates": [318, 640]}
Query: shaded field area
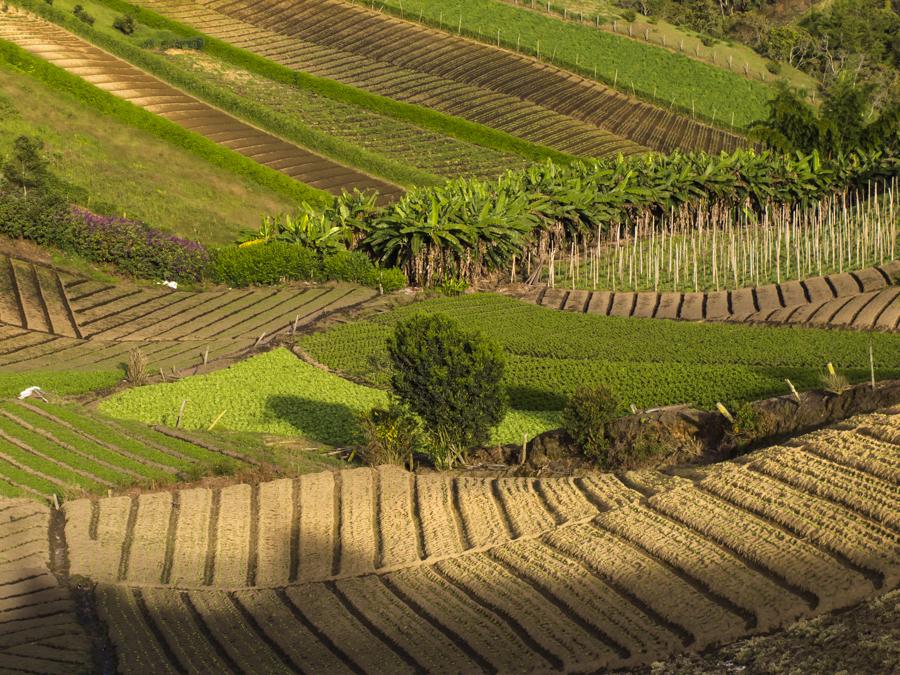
{"type": "Point", "coordinates": [644, 362]}
{"type": "Point", "coordinates": [371, 568]}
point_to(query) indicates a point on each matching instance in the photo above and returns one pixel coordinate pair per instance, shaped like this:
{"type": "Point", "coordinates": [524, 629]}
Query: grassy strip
{"type": "Point", "coordinates": [61, 383]}
{"type": "Point", "coordinates": [8, 489]}
{"type": "Point", "coordinates": [425, 118]}
{"type": "Point", "coordinates": [48, 468]}
{"type": "Point", "coordinates": [652, 73]}
{"type": "Point", "coordinates": [130, 114]}
{"type": "Point", "coordinates": [21, 477]}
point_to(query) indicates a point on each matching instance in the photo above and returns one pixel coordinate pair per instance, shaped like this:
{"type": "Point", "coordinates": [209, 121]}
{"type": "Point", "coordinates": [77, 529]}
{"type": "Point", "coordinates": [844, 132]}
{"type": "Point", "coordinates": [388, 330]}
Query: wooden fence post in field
{"type": "Point", "coordinates": [872, 365]}
{"type": "Point", "coordinates": [206, 355]}
{"type": "Point", "coordinates": [180, 413]}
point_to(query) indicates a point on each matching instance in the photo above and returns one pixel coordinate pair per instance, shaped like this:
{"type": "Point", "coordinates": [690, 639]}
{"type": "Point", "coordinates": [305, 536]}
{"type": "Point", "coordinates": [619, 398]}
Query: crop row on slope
{"type": "Point", "coordinates": [434, 57]}
{"type": "Point", "coordinates": [103, 102]}
{"type": "Point", "coordinates": [50, 449]}
{"type": "Point", "coordinates": [520, 125]}
{"type": "Point", "coordinates": [655, 73]}
{"type": "Point", "coordinates": [551, 353]}
{"type": "Point", "coordinates": [433, 153]}
{"type": "Point", "coordinates": [278, 393]}
{"type": "Point", "coordinates": [144, 88]}
{"type": "Point", "coordinates": [618, 580]}
{"type": "Point", "coordinates": [391, 118]}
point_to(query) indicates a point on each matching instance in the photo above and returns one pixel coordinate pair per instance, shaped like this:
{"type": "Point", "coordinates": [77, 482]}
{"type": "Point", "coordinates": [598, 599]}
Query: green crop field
{"type": "Point", "coordinates": [50, 449]}
{"type": "Point", "coordinates": [277, 393]}
{"type": "Point", "coordinates": [653, 72]}
{"type": "Point", "coordinates": [127, 170]}
{"type": "Point", "coordinates": [643, 362]}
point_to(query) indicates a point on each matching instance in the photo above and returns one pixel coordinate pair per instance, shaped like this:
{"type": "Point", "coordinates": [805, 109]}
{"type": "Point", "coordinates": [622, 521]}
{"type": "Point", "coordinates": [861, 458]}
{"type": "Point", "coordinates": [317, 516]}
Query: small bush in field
{"type": "Point", "coordinates": [125, 24]}
{"type": "Point", "coordinates": [136, 368]}
{"type": "Point", "coordinates": [452, 379]}
{"type": "Point", "coordinates": [585, 417]}
{"type": "Point", "coordinates": [81, 13]}
{"type": "Point", "coordinates": [392, 434]}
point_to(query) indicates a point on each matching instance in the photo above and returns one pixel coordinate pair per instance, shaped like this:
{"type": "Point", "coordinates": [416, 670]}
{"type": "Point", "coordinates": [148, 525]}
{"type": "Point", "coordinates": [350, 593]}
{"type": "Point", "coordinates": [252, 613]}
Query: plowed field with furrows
{"type": "Point", "coordinates": [51, 449]}
{"type": "Point", "coordinates": [50, 319]}
{"type": "Point", "coordinates": [134, 85]}
{"type": "Point", "coordinates": [410, 63]}
{"type": "Point", "coordinates": [379, 570]}
{"type": "Point", "coordinates": [865, 300]}
{"type": "Point", "coordinates": [39, 631]}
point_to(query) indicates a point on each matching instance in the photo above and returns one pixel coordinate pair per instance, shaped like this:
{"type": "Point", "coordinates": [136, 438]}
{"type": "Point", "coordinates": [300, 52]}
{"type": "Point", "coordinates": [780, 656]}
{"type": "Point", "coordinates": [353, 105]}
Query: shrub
{"type": "Point", "coordinates": [629, 15]}
{"type": "Point", "coordinates": [27, 167]}
{"type": "Point", "coordinates": [749, 425]}
{"type": "Point", "coordinates": [125, 24]}
{"type": "Point", "coordinates": [82, 14]}
{"type": "Point", "coordinates": [392, 434]}
{"type": "Point", "coordinates": [136, 368]}
{"type": "Point", "coordinates": [773, 67]}
{"type": "Point", "coordinates": [585, 418]}
{"type": "Point", "coordinates": [262, 264]}
{"type": "Point", "coordinates": [348, 266]}
{"type": "Point", "coordinates": [452, 379]}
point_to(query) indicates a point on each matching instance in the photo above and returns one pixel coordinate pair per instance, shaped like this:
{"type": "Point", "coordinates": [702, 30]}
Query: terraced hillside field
{"type": "Point", "coordinates": [407, 62]}
{"type": "Point", "coordinates": [130, 83]}
{"type": "Point", "coordinates": [379, 570]}
{"type": "Point", "coordinates": [865, 300]}
{"type": "Point", "coordinates": [50, 319]}
{"type": "Point", "coordinates": [48, 450]}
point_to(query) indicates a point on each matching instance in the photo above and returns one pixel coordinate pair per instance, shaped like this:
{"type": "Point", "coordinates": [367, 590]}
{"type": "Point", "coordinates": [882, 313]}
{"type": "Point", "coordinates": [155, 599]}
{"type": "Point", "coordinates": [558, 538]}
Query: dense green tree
{"type": "Point", "coordinates": [452, 379]}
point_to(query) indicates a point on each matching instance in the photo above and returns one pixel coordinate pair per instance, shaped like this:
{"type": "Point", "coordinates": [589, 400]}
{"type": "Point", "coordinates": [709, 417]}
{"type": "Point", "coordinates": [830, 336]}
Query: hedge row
{"type": "Point", "coordinates": [125, 112]}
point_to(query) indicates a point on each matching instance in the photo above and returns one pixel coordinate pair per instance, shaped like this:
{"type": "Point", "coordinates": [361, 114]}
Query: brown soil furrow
{"type": "Point", "coordinates": [286, 627]}
{"type": "Point", "coordinates": [357, 530]}
{"type": "Point", "coordinates": [545, 628]}
{"type": "Point", "coordinates": [235, 635]}
{"type": "Point", "coordinates": [324, 609]}
{"type": "Point", "coordinates": [148, 547]}
{"type": "Point", "coordinates": [191, 538]}
{"type": "Point", "coordinates": [855, 490]}
{"type": "Point", "coordinates": [435, 506]}
{"type": "Point", "coordinates": [318, 526]}
{"type": "Point", "coordinates": [179, 630]}
{"type": "Point", "coordinates": [485, 632]}
{"type": "Point", "coordinates": [564, 500]}
{"type": "Point", "coordinates": [808, 569]}
{"type": "Point", "coordinates": [720, 573]}
{"type": "Point", "coordinates": [232, 550]}
{"type": "Point", "coordinates": [524, 506]}
{"type": "Point", "coordinates": [480, 512]}
{"type": "Point", "coordinates": [273, 552]}
{"type": "Point", "coordinates": [654, 584]}
{"type": "Point", "coordinates": [862, 450]}
{"type": "Point", "coordinates": [427, 648]}
{"type": "Point", "coordinates": [395, 522]}
{"type": "Point", "coordinates": [96, 557]}
{"type": "Point", "coordinates": [137, 644]}
{"type": "Point", "coordinates": [866, 545]}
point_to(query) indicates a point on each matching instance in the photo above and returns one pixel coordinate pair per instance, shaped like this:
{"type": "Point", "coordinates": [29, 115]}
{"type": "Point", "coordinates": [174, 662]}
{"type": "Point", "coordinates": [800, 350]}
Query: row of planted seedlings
{"type": "Point", "coordinates": [712, 246]}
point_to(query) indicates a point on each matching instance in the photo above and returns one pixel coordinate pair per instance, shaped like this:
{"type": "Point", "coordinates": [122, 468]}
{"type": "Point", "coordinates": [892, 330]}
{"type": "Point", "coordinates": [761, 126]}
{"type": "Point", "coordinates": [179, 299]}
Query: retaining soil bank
{"type": "Point", "coordinates": [686, 436]}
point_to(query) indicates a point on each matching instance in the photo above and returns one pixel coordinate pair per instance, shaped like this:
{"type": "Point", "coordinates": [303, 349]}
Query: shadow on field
{"type": "Point", "coordinates": [331, 423]}
{"type": "Point", "coordinates": [535, 398]}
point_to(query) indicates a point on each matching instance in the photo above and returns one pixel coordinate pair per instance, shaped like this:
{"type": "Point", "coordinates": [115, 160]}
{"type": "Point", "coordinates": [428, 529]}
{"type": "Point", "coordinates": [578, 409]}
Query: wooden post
{"type": "Point", "coordinates": [294, 326]}
{"type": "Point", "coordinates": [206, 355]}
{"type": "Point", "coordinates": [216, 421]}
{"type": "Point", "coordinates": [180, 413]}
{"type": "Point", "coordinates": [259, 339]}
{"type": "Point", "coordinates": [872, 365]}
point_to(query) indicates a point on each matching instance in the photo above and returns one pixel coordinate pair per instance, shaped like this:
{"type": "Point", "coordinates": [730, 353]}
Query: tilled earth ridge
{"type": "Point", "coordinates": [118, 77]}
{"type": "Point", "coordinates": [377, 570]}
{"type": "Point", "coordinates": [49, 318]}
{"type": "Point", "coordinates": [865, 300]}
{"type": "Point", "coordinates": [39, 629]}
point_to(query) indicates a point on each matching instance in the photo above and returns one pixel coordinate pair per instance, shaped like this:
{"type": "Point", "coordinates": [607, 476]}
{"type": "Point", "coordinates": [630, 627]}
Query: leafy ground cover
{"type": "Point", "coordinates": [652, 72]}
{"type": "Point", "coordinates": [130, 171]}
{"type": "Point", "coordinates": [642, 362]}
{"type": "Point", "coordinates": [277, 393]}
